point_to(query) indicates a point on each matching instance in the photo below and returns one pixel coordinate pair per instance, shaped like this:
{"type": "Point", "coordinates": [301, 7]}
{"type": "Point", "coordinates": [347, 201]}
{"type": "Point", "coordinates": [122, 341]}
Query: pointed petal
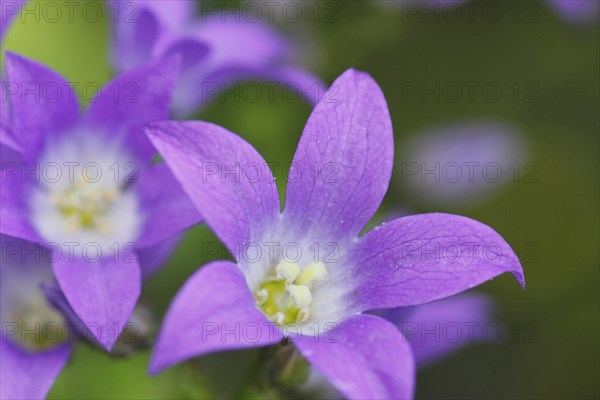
{"type": "Point", "coordinates": [44, 105]}
{"type": "Point", "coordinates": [195, 90]}
{"type": "Point", "coordinates": [190, 50]}
{"type": "Point", "coordinates": [102, 293]}
{"type": "Point", "coordinates": [169, 210]}
{"type": "Point", "coordinates": [436, 330]}
{"type": "Point", "coordinates": [239, 50]}
{"type": "Point", "coordinates": [213, 311]}
{"type": "Point", "coordinates": [133, 39]}
{"type": "Point", "coordinates": [348, 141]}
{"type": "Point", "coordinates": [421, 258]}
{"type": "Point", "coordinates": [224, 176]}
{"type": "Point", "coordinates": [29, 376]}
{"type": "Point", "coordinates": [241, 43]}
{"type": "Point", "coordinates": [365, 357]}
{"type": "Point", "coordinates": [140, 26]}
{"type": "Point", "coordinates": [132, 100]}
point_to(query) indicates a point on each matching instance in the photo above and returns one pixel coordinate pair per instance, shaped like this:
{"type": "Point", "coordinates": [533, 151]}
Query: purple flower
{"type": "Point", "coordinates": [34, 345]}
{"type": "Point", "coordinates": [85, 186]}
{"type": "Point", "coordinates": [463, 162]}
{"type": "Point", "coordinates": [305, 273]}
{"type": "Point", "coordinates": [216, 51]}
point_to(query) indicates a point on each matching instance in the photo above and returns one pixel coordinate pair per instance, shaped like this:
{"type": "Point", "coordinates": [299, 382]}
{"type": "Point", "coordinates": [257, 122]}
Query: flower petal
{"type": "Point", "coordinates": [365, 357]}
{"type": "Point", "coordinates": [169, 210]}
{"type": "Point", "coordinates": [13, 211]}
{"type": "Point", "coordinates": [102, 293]}
{"type": "Point", "coordinates": [421, 258]}
{"type": "Point", "coordinates": [213, 311]}
{"type": "Point", "coordinates": [154, 257]}
{"type": "Point", "coordinates": [461, 152]}
{"type": "Point", "coordinates": [43, 103]}
{"type": "Point", "coordinates": [134, 35]}
{"type": "Point", "coordinates": [241, 43]}
{"type": "Point", "coordinates": [227, 180]}
{"type": "Point", "coordinates": [240, 50]}
{"type": "Point", "coordinates": [29, 376]}
{"type": "Point", "coordinates": [132, 100]}
{"type": "Point", "coordinates": [344, 160]}
{"type": "Point", "coordinates": [10, 153]}
{"type": "Point", "coordinates": [436, 330]}
{"type": "Point", "coordinates": [196, 89]}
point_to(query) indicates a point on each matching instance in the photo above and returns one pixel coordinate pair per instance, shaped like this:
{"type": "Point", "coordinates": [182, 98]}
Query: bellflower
{"type": "Point", "coordinates": [34, 346]}
{"type": "Point", "coordinates": [216, 50]}
{"type": "Point", "coordinates": [306, 273]}
{"type": "Point", "coordinates": [463, 162]}
{"type": "Point", "coordinates": [86, 188]}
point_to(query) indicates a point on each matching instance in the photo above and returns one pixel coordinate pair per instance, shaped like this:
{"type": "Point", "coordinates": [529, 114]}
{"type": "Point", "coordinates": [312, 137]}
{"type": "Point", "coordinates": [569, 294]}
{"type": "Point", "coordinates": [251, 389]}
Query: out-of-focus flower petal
{"type": "Point", "coordinates": [227, 180]}
{"type": "Point", "coordinates": [169, 210]}
{"type": "Point", "coordinates": [13, 210]}
{"type": "Point", "coordinates": [103, 292]}
{"type": "Point", "coordinates": [44, 105]}
{"type": "Point", "coordinates": [365, 357]}
{"type": "Point", "coordinates": [436, 330]}
{"type": "Point", "coordinates": [134, 41]}
{"type": "Point", "coordinates": [154, 257]}
{"type": "Point", "coordinates": [421, 258]}
{"type": "Point", "coordinates": [462, 162]}
{"type": "Point", "coordinates": [29, 376]}
{"type": "Point", "coordinates": [214, 311]}
{"type": "Point", "coordinates": [343, 163]}
{"type": "Point", "coordinates": [132, 100]}
{"type": "Point", "coordinates": [243, 44]}
{"type": "Point", "coordinates": [10, 154]}
{"type": "Point", "coordinates": [140, 26]}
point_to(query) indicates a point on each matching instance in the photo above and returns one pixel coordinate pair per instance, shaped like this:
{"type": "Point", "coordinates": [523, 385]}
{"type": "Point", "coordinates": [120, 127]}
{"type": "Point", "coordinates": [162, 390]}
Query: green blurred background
{"type": "Point", "coordinates": [556, 354]}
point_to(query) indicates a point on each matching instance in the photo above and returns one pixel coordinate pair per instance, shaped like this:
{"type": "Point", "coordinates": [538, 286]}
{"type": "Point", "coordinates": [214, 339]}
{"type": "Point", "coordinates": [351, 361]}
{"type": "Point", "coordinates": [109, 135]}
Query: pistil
{"type": "Point", "coordinates": [287, 293]}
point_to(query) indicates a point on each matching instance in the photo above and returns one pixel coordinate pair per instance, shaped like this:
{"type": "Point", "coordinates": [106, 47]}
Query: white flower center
{"type": "Point", "coordinates": [83, 195]}
{"type": "Point", "coordinates": [286, 295]}
{"type": "Point", "coordinates": [34, 324]}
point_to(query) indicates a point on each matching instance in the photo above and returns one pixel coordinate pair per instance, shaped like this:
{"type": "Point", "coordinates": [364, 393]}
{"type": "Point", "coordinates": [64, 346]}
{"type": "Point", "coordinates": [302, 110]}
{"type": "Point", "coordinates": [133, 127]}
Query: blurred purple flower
{"type": "Point", "coordinates": [85, 186]}
{"type": "Point", "coordinates": [315, 297]}
{"type": "Point", "coordinates": [215, 51]}
{"type": "Point", "coordinates": [35, 345]}
{"type": "Point", "coordinates": [462, 162]}
{"type": "Point", "coordinates": [576, 11]}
